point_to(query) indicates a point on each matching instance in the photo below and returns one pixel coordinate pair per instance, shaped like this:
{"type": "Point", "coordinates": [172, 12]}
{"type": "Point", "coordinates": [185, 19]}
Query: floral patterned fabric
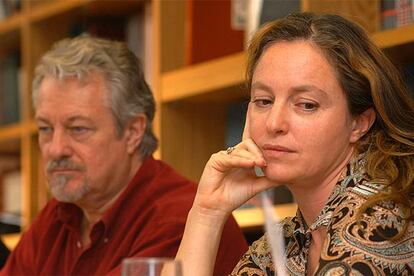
{"type": "Point", "coordinates": [349, 248]}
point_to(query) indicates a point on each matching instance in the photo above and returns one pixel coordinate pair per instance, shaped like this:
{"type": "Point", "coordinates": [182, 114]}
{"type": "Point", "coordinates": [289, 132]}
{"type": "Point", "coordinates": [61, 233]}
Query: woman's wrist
{"type": "Point", "coordinates": [208, 216]}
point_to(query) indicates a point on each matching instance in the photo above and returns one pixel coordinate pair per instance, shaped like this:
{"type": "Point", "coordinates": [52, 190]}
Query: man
{"type": "Point", "coordinates": [112, 200]}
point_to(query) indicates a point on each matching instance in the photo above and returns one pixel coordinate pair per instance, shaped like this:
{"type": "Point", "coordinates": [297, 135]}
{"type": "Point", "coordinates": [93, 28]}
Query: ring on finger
{"type": "Point", "coordinates": [230, 150]}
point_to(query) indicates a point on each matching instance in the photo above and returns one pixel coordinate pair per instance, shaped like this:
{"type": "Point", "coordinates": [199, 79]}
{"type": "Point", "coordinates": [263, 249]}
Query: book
{"type": "Point", "coordinates": [9, 89]}
{"type": "Point", "coordinates": [209, 31]}
{"type": "Point", "coordinates": [261, 11]}
{"type": "Point", "coordinates": [396, 13]}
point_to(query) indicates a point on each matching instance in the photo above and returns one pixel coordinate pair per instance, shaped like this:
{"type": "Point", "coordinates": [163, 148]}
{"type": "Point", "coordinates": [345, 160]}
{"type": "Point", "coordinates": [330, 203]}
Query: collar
{"type": "Point", "coordinates": [351, 175]}
{"type": "Point", "coordinates": [71, 215]}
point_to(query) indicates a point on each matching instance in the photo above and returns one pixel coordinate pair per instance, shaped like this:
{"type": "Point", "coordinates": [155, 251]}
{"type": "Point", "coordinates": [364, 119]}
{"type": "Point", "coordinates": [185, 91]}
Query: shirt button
{"type": "Point", "coordinates": [78, 244]}
{"type": "Point", "coordinates": [106, 240]}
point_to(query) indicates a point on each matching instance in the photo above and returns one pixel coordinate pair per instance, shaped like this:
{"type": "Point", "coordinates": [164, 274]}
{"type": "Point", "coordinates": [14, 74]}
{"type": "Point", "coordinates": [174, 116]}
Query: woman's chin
{"type": "Point", "coordinates": [277, 176]}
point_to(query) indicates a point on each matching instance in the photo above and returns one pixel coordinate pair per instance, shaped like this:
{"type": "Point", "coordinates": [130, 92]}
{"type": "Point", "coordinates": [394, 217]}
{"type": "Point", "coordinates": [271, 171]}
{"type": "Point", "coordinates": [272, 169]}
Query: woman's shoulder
{"type": "Point", "coordinates": [379, 236]}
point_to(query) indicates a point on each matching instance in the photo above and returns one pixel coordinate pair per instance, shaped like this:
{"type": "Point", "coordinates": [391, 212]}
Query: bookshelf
{"type": "Point", "coordinates": [209, 87]}
{"type": "Point", "coordinates": [192, 101]}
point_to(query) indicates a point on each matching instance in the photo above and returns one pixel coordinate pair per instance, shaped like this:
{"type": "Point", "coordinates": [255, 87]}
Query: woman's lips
{"type": "Point", "coordinates": [276, 151]}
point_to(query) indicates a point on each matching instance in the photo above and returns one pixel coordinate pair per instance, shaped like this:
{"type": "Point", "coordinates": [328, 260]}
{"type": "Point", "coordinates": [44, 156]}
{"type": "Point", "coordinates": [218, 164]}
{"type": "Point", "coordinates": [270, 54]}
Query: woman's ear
{"type": "Point", "coordinates": [362, 123]}
{"type": "Point", "coordinates": [134, 132]}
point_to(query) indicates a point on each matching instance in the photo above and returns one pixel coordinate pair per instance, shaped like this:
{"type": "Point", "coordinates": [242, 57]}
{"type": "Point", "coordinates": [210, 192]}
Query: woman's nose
{"type": "Point", "coordinates": [277, 120]}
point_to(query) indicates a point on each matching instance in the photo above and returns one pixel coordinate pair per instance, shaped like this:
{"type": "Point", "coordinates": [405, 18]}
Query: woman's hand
{"type": "Point", "coordinates": [228, 179]}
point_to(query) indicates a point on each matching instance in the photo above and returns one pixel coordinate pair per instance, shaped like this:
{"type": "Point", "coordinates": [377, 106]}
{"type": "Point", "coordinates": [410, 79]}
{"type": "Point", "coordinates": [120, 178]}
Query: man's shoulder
{"type": "Point", "coordinates": [170, 182]}
{"type": "Point", "coordinates": [47, 215]}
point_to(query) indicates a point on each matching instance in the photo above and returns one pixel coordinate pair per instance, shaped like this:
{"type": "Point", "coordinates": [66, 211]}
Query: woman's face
{"type": "Point", "coordinates": [298, 114]}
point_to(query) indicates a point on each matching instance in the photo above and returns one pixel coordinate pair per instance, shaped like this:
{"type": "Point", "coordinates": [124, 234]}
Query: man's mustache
{"type": "Point", "coordinates": [63, 164]}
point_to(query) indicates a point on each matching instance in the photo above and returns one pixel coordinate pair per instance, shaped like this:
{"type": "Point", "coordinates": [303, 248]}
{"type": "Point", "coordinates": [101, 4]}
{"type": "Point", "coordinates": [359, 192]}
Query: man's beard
{"type": "Point", "coordinates": [59, 183]}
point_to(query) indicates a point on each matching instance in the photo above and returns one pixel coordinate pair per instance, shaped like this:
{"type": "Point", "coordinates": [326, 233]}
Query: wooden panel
{"type": "Point", "coordinates": [30, 169]}
{"type": "Point", "coordinates": [394, 37]}
{"type": "Point", "coordinates": [172, 31]}
{"type": "Point", "coordinates": [253, 217]}
{"type": "Point", "coordinates": [364, 12]}
{"type": "Point", "coordinates": [153, 65]}
{"type": "Point", "coordinates": [191, 133]}
{"type": "Point", "coordinates": [204, 77]}
{"type": "Point", "coordinates": [10, 23]}
{"type": "Point", "coordinates": [45, 8]}
{"type": "Point", "coordinates": [12, 131]}
{"type": "Point", "coordinates": [10, 34]}
{"type": "Point", "coordinates": [11, 240]}
{"type": "Point", "coordinates": [54, 8]}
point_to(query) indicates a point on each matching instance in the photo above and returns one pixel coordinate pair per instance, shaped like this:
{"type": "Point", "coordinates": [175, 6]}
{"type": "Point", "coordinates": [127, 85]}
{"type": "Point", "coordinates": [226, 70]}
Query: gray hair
{"type": "Point", "coordinates": [128, 92]}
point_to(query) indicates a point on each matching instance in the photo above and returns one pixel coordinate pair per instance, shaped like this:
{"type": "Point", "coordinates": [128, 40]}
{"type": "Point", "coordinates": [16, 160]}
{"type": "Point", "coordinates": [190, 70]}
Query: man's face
{"type": "Point", "coordinates": [83, 156]}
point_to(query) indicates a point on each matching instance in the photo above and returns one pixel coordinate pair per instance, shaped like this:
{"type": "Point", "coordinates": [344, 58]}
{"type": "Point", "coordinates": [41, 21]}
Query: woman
{"type": "Point", "coordinates": [330, 118]}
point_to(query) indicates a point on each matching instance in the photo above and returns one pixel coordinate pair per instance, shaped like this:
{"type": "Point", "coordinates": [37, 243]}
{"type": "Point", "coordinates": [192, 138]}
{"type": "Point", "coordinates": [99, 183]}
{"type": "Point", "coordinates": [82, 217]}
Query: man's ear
{"type": "Point", "coordinates": [361, 124]}
{"type": "Point", "coordinates": [134, 132]}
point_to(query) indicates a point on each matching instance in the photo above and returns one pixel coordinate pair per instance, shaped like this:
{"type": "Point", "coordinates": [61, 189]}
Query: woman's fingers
{"type": "Point", "coordinates": [249, 150]}
{"type": "Point", "coordinates": [246, 130]}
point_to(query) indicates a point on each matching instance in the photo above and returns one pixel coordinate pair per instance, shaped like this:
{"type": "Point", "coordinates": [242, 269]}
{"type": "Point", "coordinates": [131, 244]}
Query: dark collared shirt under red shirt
{"type": "Point", "coordinates": [147, 220]}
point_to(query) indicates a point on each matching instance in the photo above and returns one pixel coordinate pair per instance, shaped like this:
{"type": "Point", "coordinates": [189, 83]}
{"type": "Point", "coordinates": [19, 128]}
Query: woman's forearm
{"type": "Point", "coordinates": [199, 246]}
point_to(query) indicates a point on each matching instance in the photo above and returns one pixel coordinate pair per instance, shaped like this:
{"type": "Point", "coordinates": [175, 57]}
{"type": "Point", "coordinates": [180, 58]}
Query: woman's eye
{"type": "Point", "coordinates": [308, 106]}
{"type": "Point", "coordinates": [262, 102]}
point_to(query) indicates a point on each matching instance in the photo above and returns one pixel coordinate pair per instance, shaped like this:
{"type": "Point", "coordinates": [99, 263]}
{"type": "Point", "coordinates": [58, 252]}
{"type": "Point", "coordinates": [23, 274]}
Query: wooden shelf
{"type": "Point", "coordinates": [93, 7]}
{"type": "Point", "coordinates": [229, 72]}
{"type": "Point", "coordinates": [10, 24]}
{"type": "Point", "coordinates": [394, 37]}
{"type": "Point", "coordinates": [11, 240]}
{"type": "Point", "coordinates": [253, 217]}
{"type": "Point", "coordinates": [16, 130]}
{"type": "Point", "coordinates": [54, 8]}
{"type": "Point", "coordinates": [11, 132]}
{"type": "Point", "coordinates": [10, 34]}
{"type": "Point", "coordinates": [203, 78]}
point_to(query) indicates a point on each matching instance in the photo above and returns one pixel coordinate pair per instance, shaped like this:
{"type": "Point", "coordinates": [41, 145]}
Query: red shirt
{"type": "Point", "coordinates": [147, 220]}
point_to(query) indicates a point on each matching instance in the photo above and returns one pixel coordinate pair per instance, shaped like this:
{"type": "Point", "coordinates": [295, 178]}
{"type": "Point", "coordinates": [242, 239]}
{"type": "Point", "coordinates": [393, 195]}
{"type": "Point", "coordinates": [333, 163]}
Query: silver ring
{"type": "Point", "coordinates": [230, 150]}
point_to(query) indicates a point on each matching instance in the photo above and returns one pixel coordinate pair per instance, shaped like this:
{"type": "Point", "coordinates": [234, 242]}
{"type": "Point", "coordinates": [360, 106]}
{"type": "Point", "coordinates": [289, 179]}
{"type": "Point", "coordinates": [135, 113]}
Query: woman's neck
{"type": "Point", "coordinates": [311, 198]}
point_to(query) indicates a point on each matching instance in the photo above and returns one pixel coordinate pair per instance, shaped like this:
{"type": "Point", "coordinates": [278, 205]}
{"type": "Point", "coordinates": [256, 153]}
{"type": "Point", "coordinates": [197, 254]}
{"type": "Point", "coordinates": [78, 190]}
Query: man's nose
{"type": "Point", "coordinates": [59, 145]}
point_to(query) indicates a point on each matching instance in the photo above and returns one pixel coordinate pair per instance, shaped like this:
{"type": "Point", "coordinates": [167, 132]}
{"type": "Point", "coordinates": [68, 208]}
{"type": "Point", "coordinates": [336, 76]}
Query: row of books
{"type": "Point", "coordinates": [396, 13]}
{"type": "Point", "coordinates": [234, 21]}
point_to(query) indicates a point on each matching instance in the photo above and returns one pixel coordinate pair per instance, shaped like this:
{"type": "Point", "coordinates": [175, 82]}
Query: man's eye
{"type": "Point", "coordinates": [44, 129]}
{"type": "Point", "coordinates": [78, 129]}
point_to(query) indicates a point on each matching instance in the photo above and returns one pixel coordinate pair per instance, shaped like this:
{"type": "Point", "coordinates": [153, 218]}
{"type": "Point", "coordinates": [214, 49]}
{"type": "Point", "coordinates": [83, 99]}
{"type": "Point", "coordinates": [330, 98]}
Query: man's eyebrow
{"type": "Point", "coordinates": [79, 118]}
{"type": "Point", "coordinates": [70, 119]}
{"type": "Point", "coordinates": [41, 119]}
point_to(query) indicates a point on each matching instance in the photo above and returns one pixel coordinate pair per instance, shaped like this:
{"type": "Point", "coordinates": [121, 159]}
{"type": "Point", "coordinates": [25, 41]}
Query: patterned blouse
{"type": "Point", "coordinates": [349, 248]}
